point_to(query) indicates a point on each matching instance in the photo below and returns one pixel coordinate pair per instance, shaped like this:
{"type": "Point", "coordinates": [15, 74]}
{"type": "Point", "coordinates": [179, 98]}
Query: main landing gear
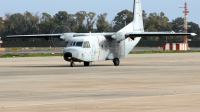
{"type": "Point", "coordinates": [86, 63]}
{"type": "Point", "coordinates": [72, 64]}
{"type": "Point", "coordinates": [116, 62]}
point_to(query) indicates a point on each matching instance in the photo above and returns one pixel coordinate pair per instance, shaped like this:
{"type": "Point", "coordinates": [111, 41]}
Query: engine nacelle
{"type": "Point", "coordinates": [67, 36]}
{"type": "Point", "coordinates": [119, 36]}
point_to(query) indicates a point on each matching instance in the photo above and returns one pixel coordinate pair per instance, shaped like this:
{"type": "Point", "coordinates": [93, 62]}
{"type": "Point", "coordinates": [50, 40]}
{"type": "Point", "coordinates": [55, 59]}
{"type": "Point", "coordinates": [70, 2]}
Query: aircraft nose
{"type": "Point", "coordinates": [70, 55]}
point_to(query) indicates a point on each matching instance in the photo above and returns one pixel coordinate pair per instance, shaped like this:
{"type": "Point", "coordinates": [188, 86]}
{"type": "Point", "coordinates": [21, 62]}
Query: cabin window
{"type": "Point", "coordinates": [86, 44]}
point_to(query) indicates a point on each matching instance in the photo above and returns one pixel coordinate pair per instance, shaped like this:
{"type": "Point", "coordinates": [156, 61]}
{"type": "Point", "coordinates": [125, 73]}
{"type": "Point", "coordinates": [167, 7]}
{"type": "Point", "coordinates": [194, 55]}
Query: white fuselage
{"type": "Point", "coordinates": [99, 48]}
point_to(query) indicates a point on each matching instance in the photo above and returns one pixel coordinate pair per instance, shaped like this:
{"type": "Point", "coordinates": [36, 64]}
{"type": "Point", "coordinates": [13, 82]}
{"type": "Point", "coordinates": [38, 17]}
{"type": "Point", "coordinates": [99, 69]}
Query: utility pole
{"type": "Point", "coordinates": [125, 17]}
{"type": "Point", "coordinates": [185, 22]}
{"type": "Point", "coordinates": [0, 42]}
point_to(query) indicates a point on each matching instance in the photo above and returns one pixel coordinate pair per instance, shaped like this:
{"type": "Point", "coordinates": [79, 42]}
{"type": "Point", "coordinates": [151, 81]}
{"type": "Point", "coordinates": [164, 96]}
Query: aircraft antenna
{"type": "Point", "coordinates": [185, 21]}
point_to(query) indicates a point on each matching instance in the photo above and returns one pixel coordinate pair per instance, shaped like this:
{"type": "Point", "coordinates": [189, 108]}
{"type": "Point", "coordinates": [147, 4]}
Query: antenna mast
{"type": "Point", "coordinates": [185, 21]}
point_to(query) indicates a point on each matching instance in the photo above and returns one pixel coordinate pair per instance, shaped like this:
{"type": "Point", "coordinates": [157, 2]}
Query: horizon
{"type": "Point", "coordinates": [93, 6]}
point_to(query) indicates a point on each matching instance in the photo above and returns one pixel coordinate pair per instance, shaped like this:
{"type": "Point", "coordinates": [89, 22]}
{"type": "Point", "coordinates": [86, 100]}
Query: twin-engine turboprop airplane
{"type": "Point", "coordinates": [90, 47]}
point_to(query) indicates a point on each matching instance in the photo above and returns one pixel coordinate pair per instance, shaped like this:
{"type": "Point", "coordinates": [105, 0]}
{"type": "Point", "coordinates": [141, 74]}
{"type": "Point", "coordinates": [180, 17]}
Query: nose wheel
{"type": "Point", "coordinates": [72, 64]}
{"type": "Point", "coordinates": [116, 62]}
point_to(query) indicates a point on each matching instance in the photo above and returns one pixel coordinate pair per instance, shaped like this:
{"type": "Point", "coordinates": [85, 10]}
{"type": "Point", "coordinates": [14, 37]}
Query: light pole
{"type": "Point", "coordinates": [125, 17]}
{"type": "Point", "coordinates": [0, 42]}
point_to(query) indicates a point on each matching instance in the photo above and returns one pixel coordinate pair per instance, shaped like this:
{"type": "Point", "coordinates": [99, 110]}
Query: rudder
{"type": "Point", "coordinates": [137, 16]}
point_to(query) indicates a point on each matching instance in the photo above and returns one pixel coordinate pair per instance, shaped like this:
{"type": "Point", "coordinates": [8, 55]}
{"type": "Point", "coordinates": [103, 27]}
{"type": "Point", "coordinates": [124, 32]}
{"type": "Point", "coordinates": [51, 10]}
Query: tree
{"type": "Point", "coordinates": [31, 23]}
{"type": "Point", "coordinates": [101, 22]}
{"type": "Point", "coordinates": [80, 18]}
{"type": "Point", "coordinates": [72, 23]}
{"type": "Point", "coordinates": [46, 24]}
{"type": "Point", "coordinates": [1, 26]}
{"type": "Point", "coordinates": [45, 17]}
{"type": "Point", "coordinates": [90, 21]}
{"type": "Point", "coordinates": [145, 18]}
{"type": "Point", "coordinates": [164, 23]}
{"type": "Point", "coordinates": [15, 24]}
{"type": "Point", "coordinates": [194, 28]}
{"type": "Point", "coordinates": [123, 17]}
{"type": "Point", "coordinates": [61, 17]}
{"type": "Point", "coordinates": [177, 24]}
{"type": "Point", "coordinates": [152, 23]}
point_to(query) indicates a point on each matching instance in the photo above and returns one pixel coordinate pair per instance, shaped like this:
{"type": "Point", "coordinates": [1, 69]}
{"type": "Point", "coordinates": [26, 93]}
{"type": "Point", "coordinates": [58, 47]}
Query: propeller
{"type": "Point", "coordinates": [58, 30]}
{"type": "Point", "coordinates": [113, 27]}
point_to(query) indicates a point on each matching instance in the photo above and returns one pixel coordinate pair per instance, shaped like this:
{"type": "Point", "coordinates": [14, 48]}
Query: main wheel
{"type": "Point", "coordinates": [72, 64]}
{"type": "Point", "coordinates": [116, 62]}
{"type": "Point", "coordinates": [86, 63]}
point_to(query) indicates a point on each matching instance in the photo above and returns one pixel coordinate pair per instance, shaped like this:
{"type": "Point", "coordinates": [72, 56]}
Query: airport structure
{"type": "Point", "coordinates": [184, 45]}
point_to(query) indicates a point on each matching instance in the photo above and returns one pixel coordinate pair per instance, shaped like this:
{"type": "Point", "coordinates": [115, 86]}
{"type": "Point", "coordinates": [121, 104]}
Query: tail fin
{"type": "Point", "coordinates": [137, 16]}
{"type": "Point", "coordinates": [137, 24]}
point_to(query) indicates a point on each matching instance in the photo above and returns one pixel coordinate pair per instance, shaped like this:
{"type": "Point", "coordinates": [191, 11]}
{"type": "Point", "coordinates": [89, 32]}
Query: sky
{"type": "Point", "coordinates": [112, 7]}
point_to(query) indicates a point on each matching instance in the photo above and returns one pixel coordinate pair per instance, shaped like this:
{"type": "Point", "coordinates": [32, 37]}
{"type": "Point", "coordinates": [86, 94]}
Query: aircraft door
{"type": "Point", "coordinates": [121, 48]}
{"type": "Point", "coordinates": [93, 52]}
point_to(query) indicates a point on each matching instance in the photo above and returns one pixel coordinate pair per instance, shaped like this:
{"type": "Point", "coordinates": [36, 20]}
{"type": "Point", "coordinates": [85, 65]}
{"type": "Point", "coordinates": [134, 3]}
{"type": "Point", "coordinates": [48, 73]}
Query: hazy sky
{"type": "Point", "coordinates": [112, 7]}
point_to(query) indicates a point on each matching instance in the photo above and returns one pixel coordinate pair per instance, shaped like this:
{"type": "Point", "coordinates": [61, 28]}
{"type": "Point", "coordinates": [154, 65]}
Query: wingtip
{"type": "Point", "coordinates": [193, 34]}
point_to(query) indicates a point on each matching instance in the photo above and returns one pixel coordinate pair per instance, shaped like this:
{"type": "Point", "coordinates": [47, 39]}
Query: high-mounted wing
{"type": "Point", "coordinates": [34, 36]}
{"type": "Point", "coordinates": [64, 36]}
{"type": "Point", "coordinates": [157, 34]}
{"type": "Point", "coordinates": [120, 36]}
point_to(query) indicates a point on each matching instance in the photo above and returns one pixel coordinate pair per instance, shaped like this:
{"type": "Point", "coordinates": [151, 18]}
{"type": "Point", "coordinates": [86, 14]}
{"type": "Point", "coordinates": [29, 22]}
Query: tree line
{"type": "Point", "coordinates": [83, 22]}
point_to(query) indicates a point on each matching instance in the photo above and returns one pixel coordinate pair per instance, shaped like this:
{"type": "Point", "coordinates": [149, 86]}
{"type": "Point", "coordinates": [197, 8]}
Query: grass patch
{"type": "Point", "coordinates": [30, 55]}
{"type": "Point", "coordinates": [60, 54]}
{"type": "Point", "coordinates": [153, 52]}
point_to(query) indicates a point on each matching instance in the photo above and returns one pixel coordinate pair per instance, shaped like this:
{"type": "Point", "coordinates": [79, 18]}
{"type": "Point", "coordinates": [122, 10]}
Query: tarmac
{"type": "Point", "coordinates": [142, 83]}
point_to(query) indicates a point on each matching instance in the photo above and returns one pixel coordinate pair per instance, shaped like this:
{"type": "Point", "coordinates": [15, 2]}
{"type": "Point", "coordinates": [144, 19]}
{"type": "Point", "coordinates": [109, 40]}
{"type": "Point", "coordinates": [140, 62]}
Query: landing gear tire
{"type": "Point", "coordinates": [72, 64]}
{"type": "Point", "coordinates": [86, 63]}
{"type": "Point", "coordinates": [116, 62]}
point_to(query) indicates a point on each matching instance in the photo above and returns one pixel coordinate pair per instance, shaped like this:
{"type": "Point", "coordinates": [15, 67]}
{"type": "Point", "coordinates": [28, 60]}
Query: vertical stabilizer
{"type": "Point", "coordinates": [137, 24]}
{"type": "Point", "coordinates": [137, 17]}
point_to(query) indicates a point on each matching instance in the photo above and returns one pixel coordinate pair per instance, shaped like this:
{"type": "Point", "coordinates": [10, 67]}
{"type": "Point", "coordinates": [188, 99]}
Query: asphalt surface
{"type": "Point", "coordinates": [142, 83]}
{"type": "Point", "coordinates": [60, 50]}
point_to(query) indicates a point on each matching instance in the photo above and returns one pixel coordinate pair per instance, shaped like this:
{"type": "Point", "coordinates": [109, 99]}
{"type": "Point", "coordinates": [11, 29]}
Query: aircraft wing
{"type": "Point", "coordinates": [67, 36]}
{"type": "Point", "coordinates": [58, 35]}
{"type": "Point", "coordinates": [64, 36]}
{"type": "Point", "coordinates": [46, 36]}
{"type": "Point", "coordinates": [157, 34]}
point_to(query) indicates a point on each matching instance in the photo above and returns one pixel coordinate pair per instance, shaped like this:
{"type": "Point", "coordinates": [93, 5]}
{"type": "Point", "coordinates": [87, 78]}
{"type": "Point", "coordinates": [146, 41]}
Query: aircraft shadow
{"type": "Point", "coordinates": [61, 66]}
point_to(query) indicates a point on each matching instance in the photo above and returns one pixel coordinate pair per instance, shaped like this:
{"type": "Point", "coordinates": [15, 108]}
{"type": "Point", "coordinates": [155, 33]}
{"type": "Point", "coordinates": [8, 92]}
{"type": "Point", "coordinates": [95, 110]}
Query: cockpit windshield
{"type": "Point", "coordinates": [74, 44]}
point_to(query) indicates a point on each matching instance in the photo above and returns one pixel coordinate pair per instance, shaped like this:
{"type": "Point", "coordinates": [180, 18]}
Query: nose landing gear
{"type": "Point", "coordinates": [116, 62]}
{"type": "Point", "coordinates": [72, 64]}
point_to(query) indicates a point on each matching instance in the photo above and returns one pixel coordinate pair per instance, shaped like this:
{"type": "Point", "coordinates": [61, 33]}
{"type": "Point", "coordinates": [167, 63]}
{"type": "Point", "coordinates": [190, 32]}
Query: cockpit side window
{"type": "Point", "coordinates": [69, 43]}
{"type": "Point", "coordinates": [74, 44]}
{"type": "Point", "coordinates": [79, 44]}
